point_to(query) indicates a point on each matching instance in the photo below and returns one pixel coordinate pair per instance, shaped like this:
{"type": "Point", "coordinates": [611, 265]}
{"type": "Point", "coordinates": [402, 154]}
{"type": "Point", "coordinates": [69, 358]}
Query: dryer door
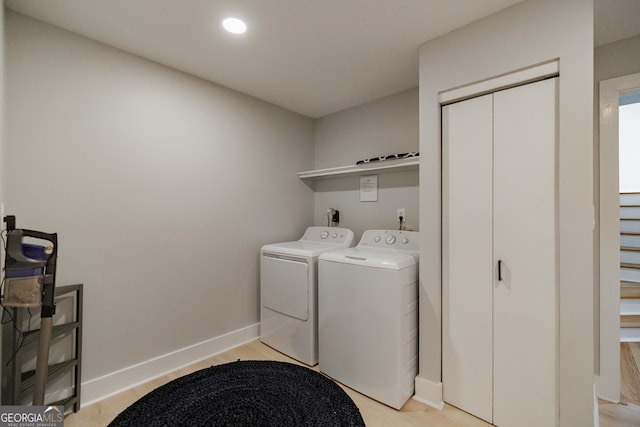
{"type": "Point", "coordinates": [284, 284]}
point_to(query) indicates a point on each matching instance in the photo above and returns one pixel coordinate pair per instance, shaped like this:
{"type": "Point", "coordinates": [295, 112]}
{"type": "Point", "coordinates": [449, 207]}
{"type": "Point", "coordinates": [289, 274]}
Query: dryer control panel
{"type": "Point", "coordinates": [334, 235]}
{"type": "Point", "coordinates": [396, 239]}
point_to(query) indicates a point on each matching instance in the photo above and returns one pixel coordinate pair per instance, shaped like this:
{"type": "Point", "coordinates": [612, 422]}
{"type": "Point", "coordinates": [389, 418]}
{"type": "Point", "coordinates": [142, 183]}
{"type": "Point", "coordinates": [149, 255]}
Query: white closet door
{"type": "Point", "coordinates": [525, 305]}
{"type": "Point", "coordinates": [499, 337]}
{"type": "Point", "coordinates": [467, 255]}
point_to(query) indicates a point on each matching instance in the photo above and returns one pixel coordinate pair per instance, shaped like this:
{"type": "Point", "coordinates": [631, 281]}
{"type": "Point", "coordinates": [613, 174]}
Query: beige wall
{"type": "Point", "coordinates": [2, 118]}
{"type": "Point", "coordinates": [3, 128]}
{"type": "Point", "coordinates": [386, 126]}
{"type": "Point", "coordinates": [617, 59]}
{"type": "Point", "coordinates": [528, 33]}
{"type": "Point", "coordinates": [161, 186]}
{"type": "Point", "coordinates": [155, 182]}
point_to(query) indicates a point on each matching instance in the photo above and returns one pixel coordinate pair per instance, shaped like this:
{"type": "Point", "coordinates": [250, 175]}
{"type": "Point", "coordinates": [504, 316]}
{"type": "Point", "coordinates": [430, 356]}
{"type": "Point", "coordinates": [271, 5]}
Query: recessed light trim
{"type": "Point", "coordinates": [234, 25]}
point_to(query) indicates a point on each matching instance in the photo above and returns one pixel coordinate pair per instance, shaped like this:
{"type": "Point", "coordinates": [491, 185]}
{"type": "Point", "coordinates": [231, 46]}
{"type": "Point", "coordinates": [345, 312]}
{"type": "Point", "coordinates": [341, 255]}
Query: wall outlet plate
{"type": "Point", "coordinates": [402, 214]}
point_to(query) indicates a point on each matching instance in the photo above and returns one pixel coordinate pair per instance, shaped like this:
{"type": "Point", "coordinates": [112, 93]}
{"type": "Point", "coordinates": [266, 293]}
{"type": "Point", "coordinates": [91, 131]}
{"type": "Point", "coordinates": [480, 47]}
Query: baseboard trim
{"type": "Point", "coordinates": [429, 393]}
{"type": "Point", "coordinates": [596, 411]}
{"type": "Point", "coordinates": [108, 385]}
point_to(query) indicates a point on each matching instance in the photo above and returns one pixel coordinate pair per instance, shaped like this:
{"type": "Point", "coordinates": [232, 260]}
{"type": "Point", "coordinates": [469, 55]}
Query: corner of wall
{"type": "Point", "coordinates": [108, 385]}
{"type": "Point", "coordinates": [3, 84]}
{"type": "Point", "coordinates": [429, 393]}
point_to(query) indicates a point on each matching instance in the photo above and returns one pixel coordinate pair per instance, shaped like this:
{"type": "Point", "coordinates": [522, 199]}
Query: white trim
{"type": "Point", "coordinates": [629, 334]}
{"type": "Point", "coordinates": [596, 411]}
{"type": "Point", "coordinates": [519, 77]}
{"type": "Point", "coordinates": [608, 380]}
{"type": "Point", "coordinates": [429, 393]}
{"type": "Point", "coordinates": [410, 163]}
{"type": "Point", "coordinates": [116, 382]}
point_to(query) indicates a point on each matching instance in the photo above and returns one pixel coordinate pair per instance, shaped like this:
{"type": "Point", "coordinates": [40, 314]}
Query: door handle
{"type": "Point", "coordinates": [499, 270]}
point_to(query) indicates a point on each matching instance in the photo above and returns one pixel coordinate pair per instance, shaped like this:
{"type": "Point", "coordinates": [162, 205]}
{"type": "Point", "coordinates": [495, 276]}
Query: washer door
{"type": "Point", "coordinates": [284, 285]}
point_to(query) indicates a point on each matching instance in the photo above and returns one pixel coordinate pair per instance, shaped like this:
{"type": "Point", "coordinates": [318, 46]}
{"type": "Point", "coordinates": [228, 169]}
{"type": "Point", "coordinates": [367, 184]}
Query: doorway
{"type": "Point", "coordinates": [629, 173]}
{"type": "Point", "coordinates": [617, 237]}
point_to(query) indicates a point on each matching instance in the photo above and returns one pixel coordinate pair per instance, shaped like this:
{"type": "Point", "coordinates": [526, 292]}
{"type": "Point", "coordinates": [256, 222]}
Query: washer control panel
{"type": "Point", "coordinates": [328, 235]}
{"type": "Point", "coordinates": [392, 239]}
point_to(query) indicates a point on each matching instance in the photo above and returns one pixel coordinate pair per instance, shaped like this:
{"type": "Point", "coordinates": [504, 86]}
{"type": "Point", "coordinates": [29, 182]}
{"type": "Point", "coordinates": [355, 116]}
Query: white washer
{"type": "Point", "coordinates": [368, 315]}
{"type": "Point", "coordinates": [289, 289]}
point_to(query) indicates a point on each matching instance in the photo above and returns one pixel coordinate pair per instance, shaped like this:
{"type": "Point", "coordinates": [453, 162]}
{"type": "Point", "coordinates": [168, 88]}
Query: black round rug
{"type": "Point", "coordinates": [245, 393]}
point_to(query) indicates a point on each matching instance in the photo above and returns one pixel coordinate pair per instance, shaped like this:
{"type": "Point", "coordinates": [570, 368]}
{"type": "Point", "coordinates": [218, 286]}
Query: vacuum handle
{"type": "Point", "coordinates": [51, 237]}
{"type": "Point", "coordinates": [14, 258]}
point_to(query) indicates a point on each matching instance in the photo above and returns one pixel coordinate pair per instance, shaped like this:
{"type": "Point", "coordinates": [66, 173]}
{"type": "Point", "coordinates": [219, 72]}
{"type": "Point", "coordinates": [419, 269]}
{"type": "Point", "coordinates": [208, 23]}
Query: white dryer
{"type": "Point", "coordinates": [289, 289]}
{"type": "Point", "coordinates": [368, 315]}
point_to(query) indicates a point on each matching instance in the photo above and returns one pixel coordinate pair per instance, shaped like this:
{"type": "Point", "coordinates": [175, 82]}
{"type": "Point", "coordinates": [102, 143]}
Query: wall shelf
{"type": "Point", "coordinates": [396, 165]}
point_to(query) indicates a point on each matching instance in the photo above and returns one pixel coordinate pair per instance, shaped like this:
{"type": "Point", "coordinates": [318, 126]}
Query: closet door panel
{"type": "Point", "coordinates": [525, 301]}
{"type": "Point", "coordinates": [467, 255]}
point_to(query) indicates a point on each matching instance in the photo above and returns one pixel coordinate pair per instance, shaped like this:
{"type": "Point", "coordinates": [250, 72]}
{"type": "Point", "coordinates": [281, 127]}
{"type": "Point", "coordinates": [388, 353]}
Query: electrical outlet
{"type": "Point", "coordinates": [402, 214]}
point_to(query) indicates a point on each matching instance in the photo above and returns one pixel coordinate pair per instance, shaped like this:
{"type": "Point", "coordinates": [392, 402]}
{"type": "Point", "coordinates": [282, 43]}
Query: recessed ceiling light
{"type": "Point", "coordinates": [234, 25]}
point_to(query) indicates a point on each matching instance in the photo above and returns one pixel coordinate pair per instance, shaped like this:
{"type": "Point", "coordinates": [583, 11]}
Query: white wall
{"type": "Point", "coordinates": [528, 33]}
{"type": "Point", "coordinates": [617, 59]}
{"type": "Point", "coordinates": [3, 129]}
{"type": "Point", "coordinates": [2, 119]}
{"type": "Point", "coordinates": [161, 186]}
{"type": "Point", "coordinates": [386, 126]}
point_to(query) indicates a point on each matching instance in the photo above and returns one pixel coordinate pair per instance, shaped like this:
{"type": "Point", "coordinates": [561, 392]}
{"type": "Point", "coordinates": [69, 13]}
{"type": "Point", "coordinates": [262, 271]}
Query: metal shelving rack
{"type": "Point", "coordinates": [17, 385]}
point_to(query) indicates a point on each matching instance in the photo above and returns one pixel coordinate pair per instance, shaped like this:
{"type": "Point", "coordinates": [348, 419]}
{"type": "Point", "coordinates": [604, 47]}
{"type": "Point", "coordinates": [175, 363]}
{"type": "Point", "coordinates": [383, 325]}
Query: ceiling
{"type": "Point", "coordinates": [314, 57]}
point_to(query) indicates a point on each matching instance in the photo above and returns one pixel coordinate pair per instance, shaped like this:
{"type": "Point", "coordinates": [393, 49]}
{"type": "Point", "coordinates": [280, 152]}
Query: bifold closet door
{"type": "Point", "coordinates": [525, 305]}
{"type": "Point", "coordinates": [499, 256]}
{"type": "Point", "coordinates": [467, 255]}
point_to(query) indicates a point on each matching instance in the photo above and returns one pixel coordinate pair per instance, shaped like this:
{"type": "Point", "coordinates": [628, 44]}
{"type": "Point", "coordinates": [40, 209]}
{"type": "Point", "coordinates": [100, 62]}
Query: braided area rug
{"type": "Point", "coordinates": [245, 393]}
